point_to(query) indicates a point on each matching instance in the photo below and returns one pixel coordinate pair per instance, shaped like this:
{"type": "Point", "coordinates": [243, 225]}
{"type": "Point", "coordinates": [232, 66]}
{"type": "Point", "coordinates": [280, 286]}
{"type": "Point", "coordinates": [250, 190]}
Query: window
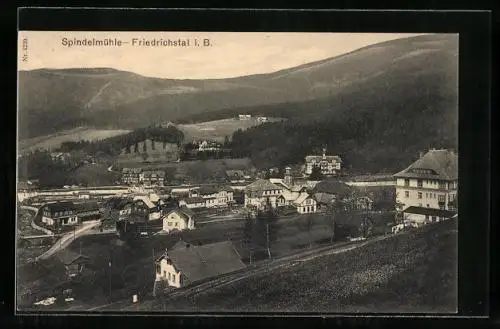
{"type": "Point", "coordinates": [169, 224]}
{"type": "Point", "coordinates": [428, 206]}
{"type": "Point", "coordinates": [169, 275]}
{"type": "Point", "coordinates": [407, 182]}
{"type": "Point", "coordinates": [419, 183]}
{"type": "Point", "coordinates": [173, 277]}
{"type": "Point", "coordinates": [407, 194]}
{"type": "Point", "coordinates": [176, 224]}
{"type": "Point", "coordinates": [420, 195]}
{"type": "Point", "coordinates": [164, 274]}
{"type": "Point", "coordinates": [441, 198]}
{"type": "Point", "coordinates": [442, 185]}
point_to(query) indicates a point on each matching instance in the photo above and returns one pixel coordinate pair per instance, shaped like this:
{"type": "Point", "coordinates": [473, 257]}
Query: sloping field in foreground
{"type": "Point", "coordinates": [412, 272]}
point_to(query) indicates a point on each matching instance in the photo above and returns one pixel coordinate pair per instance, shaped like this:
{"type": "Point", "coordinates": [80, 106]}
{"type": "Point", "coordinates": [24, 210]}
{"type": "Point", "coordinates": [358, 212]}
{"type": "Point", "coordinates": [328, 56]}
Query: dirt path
{"type": "Point", "coordinates": [66, 239]}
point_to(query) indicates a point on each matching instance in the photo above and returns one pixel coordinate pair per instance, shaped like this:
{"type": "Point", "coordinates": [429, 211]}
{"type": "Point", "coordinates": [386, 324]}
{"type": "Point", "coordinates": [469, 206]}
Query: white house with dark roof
{"type": "Point", "coordinates": [187, 264]}
{"type": "Point", "coordinates": [328, 164]}
{"type": "Point", "coordinates": [429, 182]}
{"type": "Point", "coordinates": [263, 192]}
{"type": "Point", "coordinates": [214, 197]}
{"type": "Point", "coordinates": [178, 219]}
{"type": "Point", "coordinates": [293, 194]}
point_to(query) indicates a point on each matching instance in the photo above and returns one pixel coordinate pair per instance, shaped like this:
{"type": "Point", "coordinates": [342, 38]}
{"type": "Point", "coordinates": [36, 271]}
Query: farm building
{"type": "Point", "coordinates": [187, 264]}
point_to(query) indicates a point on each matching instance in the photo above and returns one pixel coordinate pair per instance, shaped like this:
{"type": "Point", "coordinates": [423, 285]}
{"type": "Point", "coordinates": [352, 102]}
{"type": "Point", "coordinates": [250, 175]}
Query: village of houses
{"type": "Point", "coordinates": [146, 206]}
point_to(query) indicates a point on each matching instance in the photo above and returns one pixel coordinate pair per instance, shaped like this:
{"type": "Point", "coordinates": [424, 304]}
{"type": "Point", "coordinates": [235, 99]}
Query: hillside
{"type": "Point", "coordinates": [422, 69]}
{"type": "Point", "coordinates": [412, 272]}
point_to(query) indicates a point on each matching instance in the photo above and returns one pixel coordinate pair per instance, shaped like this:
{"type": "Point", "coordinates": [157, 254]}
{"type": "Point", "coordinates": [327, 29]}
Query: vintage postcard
{"type": "Point", "coordinates": [237, 172]}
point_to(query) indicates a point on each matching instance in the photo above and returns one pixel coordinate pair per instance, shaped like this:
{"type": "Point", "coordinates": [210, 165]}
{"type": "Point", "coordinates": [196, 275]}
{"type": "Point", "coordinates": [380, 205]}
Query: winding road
{"type": "Point", "coordinates": [69, 237]}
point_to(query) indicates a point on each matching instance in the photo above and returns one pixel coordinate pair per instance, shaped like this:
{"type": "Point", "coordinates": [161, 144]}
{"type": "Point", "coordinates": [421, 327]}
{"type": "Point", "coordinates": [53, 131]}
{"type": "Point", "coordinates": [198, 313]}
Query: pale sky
{"type": "Point", "coordinates": [230, 54]}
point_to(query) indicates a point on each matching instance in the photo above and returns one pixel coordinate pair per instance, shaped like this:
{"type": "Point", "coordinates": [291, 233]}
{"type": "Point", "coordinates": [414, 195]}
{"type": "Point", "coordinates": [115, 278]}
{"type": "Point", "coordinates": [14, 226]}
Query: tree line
{"type": "Point", "coordinates": [130, 141]}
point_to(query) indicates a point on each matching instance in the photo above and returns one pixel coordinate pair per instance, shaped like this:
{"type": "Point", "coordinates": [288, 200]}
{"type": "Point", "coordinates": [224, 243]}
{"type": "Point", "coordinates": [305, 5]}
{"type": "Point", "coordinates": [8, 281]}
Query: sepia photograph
{"type": "Point", "coordinates": [237, 172]}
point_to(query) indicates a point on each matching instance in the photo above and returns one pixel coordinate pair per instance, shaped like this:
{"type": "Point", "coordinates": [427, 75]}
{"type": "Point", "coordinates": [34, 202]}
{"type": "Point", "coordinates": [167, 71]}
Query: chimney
{"type": "Point", "coordinates": [324, 152]}
{"type": "Point", "coordinates": [421, 155]}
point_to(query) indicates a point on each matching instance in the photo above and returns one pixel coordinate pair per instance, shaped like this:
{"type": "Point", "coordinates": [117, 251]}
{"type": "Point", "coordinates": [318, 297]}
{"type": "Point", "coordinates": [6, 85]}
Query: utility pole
{"type": "Point", "coordinates": [267, 240]}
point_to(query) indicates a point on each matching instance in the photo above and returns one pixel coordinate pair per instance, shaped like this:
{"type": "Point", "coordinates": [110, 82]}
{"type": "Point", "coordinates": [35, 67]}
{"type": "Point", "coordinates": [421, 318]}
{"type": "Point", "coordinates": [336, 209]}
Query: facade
{"type": "Point", "coordinates": [215, 197]}
{"type": "Point", "coordinates": [209, 146]}
{"type": "Point", "coordinates": [429, 182]}
{"type": "Point", "coordinates": [244, 116]}
{"type": "Point", "coordinates": [135, 176]}
{"type": "Point", "coordinates": [144, 205]}
{"type": "Point", "coordinates": [305, 204]}
{"type": "Point", "coordinates": [262, 192]}
{"type": "Point", "coordinates": [293, 194]}
{"type": "Point", "coordinates": [187, 264]}
{"type": "Point", "coordinates": [88, 211]}
{"type": "Point", "coordinates": [193, 203]}
{"type": "Point", "coordinates": [152, 177]}
{"type": "Point", "coordinates": [60, 213]}
{"type": "Point", "coordinates": [178, 219]}
{"type": "Point", "coordinates": [329, 164]}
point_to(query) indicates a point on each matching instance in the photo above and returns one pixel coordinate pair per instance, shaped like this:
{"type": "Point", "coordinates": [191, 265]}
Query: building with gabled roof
{"type": "Point", "coordinates": [430, 182]}
{"type": "Point", "coordinates": [183, 266]}
{"type": "Point", "coordinates": [329, 164]}
{"type": "Point", "coordinates": [421, 215]}
{"type": "Point", "coordinates": [214, 196]}
{"type": "Point", "coordinates": [179, 219]}
{"type": "Point", "coordinates": [261, 193]}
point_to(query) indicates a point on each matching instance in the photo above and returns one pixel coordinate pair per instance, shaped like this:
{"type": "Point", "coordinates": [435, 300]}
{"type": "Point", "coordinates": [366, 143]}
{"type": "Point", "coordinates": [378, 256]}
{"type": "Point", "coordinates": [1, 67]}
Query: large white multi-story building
{"type": "Point", "coordinates": [429, 182]}
{"type": "Point", "coordinates": [329, 164]}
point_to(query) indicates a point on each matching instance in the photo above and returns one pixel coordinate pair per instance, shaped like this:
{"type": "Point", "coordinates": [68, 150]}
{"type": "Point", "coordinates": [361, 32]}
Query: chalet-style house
{"type": "Point", "coordinates": [135, 176]}
{"type": "Point", "coordinates": [140, 206]}
{"type": "Point", "coordinates": [422, 215]}
{"type": "Point", "coordinates": [178, 219]}
{"type": "Point", "coordinates": [87, 211]}
{"type": "Point", "coordinates": [70, 213]}
{"type": "Point", "coordinates": [60, 213]}
{"type": "Point", "coordinates": [261, 193]}
{"type": "Point", "coordinates": [143, 204]}
{"type": "Point", "coordinates": [429, 182]}
{"type": "Point", "coordinates": [329, 164]}
{"type": "Point", "coordinates": [293, 194]}
{"type": "Point", "coordinates": [75, 264]}
{"type": "Point", "coordinates": [214, 197]}
{"type": "Point", "coordinates": [188, 264]}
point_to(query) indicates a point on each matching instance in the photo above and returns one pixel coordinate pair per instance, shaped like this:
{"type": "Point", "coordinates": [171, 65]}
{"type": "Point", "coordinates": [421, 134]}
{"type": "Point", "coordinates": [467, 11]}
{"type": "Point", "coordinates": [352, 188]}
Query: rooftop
{"type": "Point", "coordinates": [441, 164]}
{"type": "Point", "coordinates": [201, 262]}
{"type": "Point", "coordinates": [429, 212]}
{"type": "Point", "coordinates": [262, 185]}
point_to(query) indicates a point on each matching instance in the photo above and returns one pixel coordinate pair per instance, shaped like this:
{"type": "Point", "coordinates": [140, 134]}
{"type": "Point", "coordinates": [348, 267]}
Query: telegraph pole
{"type": "Point", "coordinates": [267, 240]}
